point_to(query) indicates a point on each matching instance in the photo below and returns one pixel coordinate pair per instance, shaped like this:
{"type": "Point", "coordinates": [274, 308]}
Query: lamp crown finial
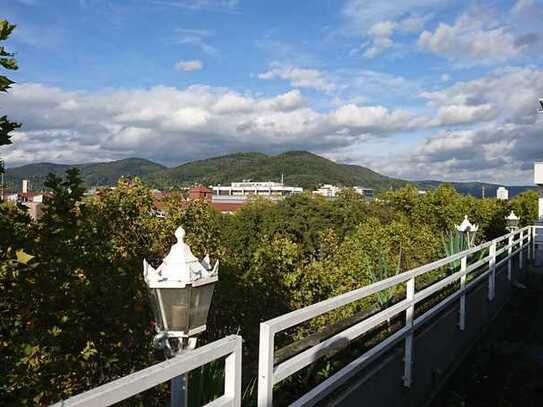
{"type": "Point", "coordinates": [180, 234]}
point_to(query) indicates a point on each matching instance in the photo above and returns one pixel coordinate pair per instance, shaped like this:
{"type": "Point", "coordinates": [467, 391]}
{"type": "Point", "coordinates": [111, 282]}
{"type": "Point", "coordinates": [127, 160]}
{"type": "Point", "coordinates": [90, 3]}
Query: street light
{"type": "Point", "coordinates": [512, 222]}
{"type": "Point", "coordinates": [469, 230]}
{"type": "Point", "coordinates": [181, 289]}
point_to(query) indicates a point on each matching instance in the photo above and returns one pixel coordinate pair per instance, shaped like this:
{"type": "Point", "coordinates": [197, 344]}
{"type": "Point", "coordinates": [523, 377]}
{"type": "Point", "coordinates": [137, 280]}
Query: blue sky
{"type": "Point", "coordinates": [417, 89]}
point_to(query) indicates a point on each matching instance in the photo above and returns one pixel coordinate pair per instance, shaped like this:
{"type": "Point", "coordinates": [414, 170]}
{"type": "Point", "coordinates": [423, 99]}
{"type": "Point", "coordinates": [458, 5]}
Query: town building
{"type": "Point", "coordinates": [502, 194]}
{"type": "Point", "coordinates": [200, 192]}
{"type": "Point", "coordinates": [330, 191]}
{"type": "Point", "coordinates": [241, 191]}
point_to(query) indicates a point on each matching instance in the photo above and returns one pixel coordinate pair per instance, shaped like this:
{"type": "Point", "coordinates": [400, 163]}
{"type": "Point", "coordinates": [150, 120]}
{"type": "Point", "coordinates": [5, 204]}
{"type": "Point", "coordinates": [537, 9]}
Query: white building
{"type": "Point", "coordinates": [502, 193]}
{"type": "Point", "coordinates": [330, 191]}
{"type": "Point", "coordinates": [239, 191]}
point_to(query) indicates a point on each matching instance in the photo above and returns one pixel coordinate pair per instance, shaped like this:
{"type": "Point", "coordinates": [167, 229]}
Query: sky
{"type": "Point", "coordinates": [417, 89]}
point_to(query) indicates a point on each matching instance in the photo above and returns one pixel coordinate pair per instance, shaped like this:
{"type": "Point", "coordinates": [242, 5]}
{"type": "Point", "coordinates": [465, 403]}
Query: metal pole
{"type": "Point", "coordinates": [179, 393]}
{"type": "Point", "coordinates": [179, 384]}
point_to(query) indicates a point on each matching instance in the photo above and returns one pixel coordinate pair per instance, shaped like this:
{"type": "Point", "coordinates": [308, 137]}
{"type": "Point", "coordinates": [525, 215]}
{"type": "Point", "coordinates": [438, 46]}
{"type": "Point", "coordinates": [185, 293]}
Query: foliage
{"type": "Point", "coordinates": [74, 309]}
{"type": "Point", "coordinates": [7, 61]}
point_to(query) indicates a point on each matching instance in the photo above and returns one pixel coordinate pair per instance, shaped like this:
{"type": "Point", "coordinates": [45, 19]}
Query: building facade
{"type": "Point", "coordinates": [246, 189]}
{"type": "Point", "coordinates": [502, 193]}
{"type": "Point", "coordinates": [330, 191]}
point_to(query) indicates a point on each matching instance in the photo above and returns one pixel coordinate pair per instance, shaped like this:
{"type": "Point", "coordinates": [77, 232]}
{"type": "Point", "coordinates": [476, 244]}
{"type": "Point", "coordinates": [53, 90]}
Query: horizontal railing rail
{"type": "Point", "coordinates": [132, 384]}
{"type": "Point", "coordinates": [270, 374]}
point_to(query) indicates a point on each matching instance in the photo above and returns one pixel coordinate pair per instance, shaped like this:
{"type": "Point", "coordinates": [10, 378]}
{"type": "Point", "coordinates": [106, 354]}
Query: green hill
{"type": "Point", "coordinates": [299, 168]}
{"type": "Point", "coordinates": [105, 173]}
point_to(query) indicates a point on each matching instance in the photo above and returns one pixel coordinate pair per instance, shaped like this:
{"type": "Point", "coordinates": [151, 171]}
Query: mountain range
{"type": "Point", "coordinates": [299, 168]}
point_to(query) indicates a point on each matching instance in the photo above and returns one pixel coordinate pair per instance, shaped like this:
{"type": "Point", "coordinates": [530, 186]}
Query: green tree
{"type": "Point", "coordinates": [7, 61]}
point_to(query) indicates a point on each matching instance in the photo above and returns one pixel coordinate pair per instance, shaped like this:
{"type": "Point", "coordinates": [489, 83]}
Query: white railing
{"type": "Point", "coordinates": [135, 383]}
{"type": "Point", "coordinates": [269, 374]}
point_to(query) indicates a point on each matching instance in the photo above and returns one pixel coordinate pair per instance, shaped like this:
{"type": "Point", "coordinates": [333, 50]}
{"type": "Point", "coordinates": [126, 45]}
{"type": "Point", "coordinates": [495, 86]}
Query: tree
{"type": "Point", "coordinates": [7, 61]}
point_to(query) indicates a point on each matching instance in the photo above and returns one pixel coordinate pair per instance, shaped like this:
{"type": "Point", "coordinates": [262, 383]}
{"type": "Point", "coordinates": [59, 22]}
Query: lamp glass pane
{"type": "Point", "coordinates": [175, 303]}
{"type": "Point", "coordinates": [153, 295]}
{"type": "Point", "coordinates": [200, 301]}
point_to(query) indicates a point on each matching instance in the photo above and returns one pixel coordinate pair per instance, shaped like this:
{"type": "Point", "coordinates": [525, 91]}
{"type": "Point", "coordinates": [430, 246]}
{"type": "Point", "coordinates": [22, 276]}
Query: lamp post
{"type": "Point", "coordinates": [511, 222]}
{"type": "Point", "coordinates": [468, 230]}
{"type": "Point", "coordinates": [181, 289]}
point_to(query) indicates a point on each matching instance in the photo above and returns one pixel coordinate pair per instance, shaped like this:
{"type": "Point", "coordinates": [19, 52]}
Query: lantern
{"type": "Point", "coordinates": [181, 289]}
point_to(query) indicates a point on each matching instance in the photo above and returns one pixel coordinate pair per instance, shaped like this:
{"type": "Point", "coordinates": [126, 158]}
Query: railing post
{"type": "Point", "coordinates": [265, 366]}
{"type": "Point", "coordinates": [529, 244]}
{"type": "Point", "coordinates": [232, 375]}
{"type": "Point", "coordinates": [462, 316]}
{"type": "Point", "coordinates": [509, 256]}
{"type": "Point", "coordinates": [408, 351]}
{"type": "Point", "coordinates": [534, 234]}
{"type": "Point", "coordinates": [492, 274]}
{"type": "Point", "coordinates": [521, 254]}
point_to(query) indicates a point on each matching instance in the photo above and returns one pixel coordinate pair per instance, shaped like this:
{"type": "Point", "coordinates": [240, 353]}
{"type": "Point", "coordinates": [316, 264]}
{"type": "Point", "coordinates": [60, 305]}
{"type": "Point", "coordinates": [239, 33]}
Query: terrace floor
{"type": "Point", "coordinates": [504, 368]}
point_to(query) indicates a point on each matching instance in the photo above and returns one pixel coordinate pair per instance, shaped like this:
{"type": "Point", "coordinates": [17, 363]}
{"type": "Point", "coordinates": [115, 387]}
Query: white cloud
{"type": "Point", "coordinates": [462, 114]}
{"type": "Point", "coordinates": [189, 66]}
{"type": "Point", "coordinates": [381, 33]}
{"type": "Point", "coordinates": [196, 38]}
{"type": "Point", "coordinates": [372, 118]}
{"type": "Point", "coordinates": [221, 6]}
{"type": "Point", "coordinates": [502, 141]}
{"type": "Point", "coordinates": [173, 125]}
{"type": "Point", "coordinates": [470, 39]}
{"type": "Point", "coordinates": [377, 22]}
{"type": "Point", "coordinates": [299, 77]}
{"type": "Point", "coordinates": [495, 132]}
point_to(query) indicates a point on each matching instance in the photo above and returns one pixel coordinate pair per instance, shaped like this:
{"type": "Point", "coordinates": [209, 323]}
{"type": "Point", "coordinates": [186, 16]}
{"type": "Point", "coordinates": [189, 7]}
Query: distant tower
{"type": "Point", "coordinates": [282, 179]}
{"type": "Point", "coordinates": [502, 193]}
{"type": "Point", "coordinates": [26, 186]}
{"type": "Point", "coordinates": [483, 191]}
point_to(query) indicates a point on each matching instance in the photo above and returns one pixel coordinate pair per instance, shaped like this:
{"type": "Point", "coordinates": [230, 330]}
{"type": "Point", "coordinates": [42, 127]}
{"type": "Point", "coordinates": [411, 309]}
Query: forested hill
{"type": "Point", "coordinates": [104, 173]}
{"type": "Point", "coordinates": [300, 168]}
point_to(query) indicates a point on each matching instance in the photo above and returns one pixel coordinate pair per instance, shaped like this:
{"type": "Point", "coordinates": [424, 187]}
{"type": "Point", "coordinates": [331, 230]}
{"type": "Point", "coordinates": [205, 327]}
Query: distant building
{"type": "Point", "coordinates": [502, 193]}
{"type": "Point", "coordinates": [200, 192]}
{"type": "Point", "coordinates": [330, 191]}
{"type": "Point", "coordinates": [365, 192]}
{"type": "Point", "coordinates": [241, 191]}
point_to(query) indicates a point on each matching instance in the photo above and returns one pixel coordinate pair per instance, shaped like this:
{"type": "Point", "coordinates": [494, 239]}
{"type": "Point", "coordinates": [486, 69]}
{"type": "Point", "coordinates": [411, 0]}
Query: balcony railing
{"type": "Point", "coordinates": [128, 386]}
{"type": "Point", "coordinates": [500, 252]}
{"type": "Point", "coordinates": [475, 265]}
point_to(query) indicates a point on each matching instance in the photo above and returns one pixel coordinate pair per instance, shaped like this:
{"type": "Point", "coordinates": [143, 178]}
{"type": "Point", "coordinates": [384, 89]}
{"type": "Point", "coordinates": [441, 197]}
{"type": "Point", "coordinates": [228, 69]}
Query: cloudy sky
{"type": "Point", "coordinates": [415, 89]}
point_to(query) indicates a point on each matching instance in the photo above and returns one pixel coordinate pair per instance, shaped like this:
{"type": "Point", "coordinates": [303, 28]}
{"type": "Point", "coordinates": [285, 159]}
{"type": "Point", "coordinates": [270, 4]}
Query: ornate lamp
{"type": "Point", "coordinates": [468, 229]}
{"type": "Point", "coordinates": [512, 222]}
{"type": "Point", "coordinates": [181, 289]}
